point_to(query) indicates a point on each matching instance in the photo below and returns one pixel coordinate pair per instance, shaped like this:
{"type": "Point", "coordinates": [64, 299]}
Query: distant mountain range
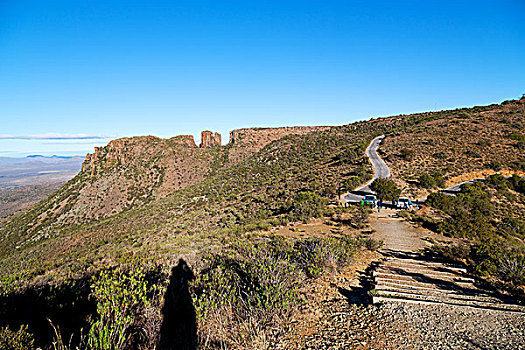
{"type": "Point", "coordinates": [37, 169]}
{"type": "Point", "coordinates": [51, 157]}
{"type": "Point", "coordinates": [37, 157]}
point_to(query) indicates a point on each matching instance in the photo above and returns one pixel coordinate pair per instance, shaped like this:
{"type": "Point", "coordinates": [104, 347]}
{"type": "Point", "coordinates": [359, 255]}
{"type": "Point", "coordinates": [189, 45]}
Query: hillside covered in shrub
{"type": "Point", "coordinates": [489, 219]}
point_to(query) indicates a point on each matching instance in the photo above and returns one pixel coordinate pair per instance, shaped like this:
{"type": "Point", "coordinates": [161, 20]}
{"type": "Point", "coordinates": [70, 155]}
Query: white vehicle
{"type": "Point", "coordinates": [404, 203]}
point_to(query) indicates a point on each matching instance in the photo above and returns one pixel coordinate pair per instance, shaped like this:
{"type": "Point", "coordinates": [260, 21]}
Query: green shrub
{"type": "Point", "coordinates": [488, 257]}
{"type": "Point", "coordinates": [248, 286]}
{"type": "Point", "coordinates": [498, 181]}
{"type": "Point", "coordinates": [494, 165]}
{"type": "Point", "coordinates": [427, 181]}
{"type": "Point", "coordinates": [351, 183]}
{"type": "Point", "coordinates": [496, 247]}
{"type": "Point", "coordinates": [21, 339]}
{"type": "Point", "coordinates": [307, 205]}
{"type": "Point", "coordinates": [120, 296]}
{"type": "Point", "coordinates": [495, 257]}
{"type": "Point", "coordinates": [509, 226]}
{"type": "Point", "coordinates": [517, 183]}
{"type": "Point", "coordinates": [511, 266]}
{"type": "Point", "coordinates": [313, 255]}
{"type": "Point", "coordinates": [251, 287]}
{"type": "Point", "coordinates": [407, 154]}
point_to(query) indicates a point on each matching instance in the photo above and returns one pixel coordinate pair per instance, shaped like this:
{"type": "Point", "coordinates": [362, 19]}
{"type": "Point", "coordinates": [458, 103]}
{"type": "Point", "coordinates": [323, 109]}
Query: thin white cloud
{"type": "Point", "coordinates": [55, 136]}
{"type": "Point", "coordinates": [69, 142]}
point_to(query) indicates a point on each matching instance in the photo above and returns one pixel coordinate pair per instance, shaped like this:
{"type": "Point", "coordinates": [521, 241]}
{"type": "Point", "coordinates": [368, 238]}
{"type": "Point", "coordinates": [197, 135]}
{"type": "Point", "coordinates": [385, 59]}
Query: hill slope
{"type": "Point", "coordinates": [456, 145]}
{"type": "Point", "coordinates": [144, 195]}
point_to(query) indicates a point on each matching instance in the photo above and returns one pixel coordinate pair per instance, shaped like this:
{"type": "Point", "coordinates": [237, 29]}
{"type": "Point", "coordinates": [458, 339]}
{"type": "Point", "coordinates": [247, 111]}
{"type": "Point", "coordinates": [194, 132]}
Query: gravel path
{"type": "Point", "coordinates": [396, 325]}
{"type": "Point", "coordinates": [396, 234]}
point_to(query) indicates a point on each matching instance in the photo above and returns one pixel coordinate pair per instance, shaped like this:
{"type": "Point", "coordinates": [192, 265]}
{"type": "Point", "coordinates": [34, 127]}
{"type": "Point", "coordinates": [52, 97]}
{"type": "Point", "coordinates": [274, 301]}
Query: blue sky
{"type": "Point", "coordinates": [86, 69]}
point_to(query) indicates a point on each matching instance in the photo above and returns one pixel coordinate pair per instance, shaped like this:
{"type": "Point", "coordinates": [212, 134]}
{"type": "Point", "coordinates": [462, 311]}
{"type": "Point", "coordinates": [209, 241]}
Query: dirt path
{"type": "Point", "coordinates": [396, 233]}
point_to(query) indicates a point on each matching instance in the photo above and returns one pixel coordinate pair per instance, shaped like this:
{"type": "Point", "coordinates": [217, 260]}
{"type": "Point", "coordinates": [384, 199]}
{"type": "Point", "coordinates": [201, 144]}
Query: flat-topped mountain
{"type": "Point", "coordinates": [132, 172]}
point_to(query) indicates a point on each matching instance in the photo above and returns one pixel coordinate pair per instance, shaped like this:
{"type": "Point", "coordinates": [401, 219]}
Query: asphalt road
{"type": "Point", "coordinates": [380, 171]}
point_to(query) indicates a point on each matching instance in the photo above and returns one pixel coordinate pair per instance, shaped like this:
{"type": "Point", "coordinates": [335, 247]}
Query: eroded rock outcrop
{"type": "Point", "coordinates": [210, 139]}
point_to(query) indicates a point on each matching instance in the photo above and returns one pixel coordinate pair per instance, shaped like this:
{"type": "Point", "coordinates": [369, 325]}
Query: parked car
{"type": "Point", "coordinates": [404, 203]}
{"type": "Point", "coordinates": [370, 200]}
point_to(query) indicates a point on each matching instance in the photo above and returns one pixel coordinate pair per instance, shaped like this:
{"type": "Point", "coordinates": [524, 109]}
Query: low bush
{"type": "Point", "coordinates": [488, 257]}
{"type": "Point", "coordinates": [252, 287]}
{"type": "Point", "coordinates": [20, 339]}
{"type": "Point", "coordinates": [307, 205]}
{"type": "Point", "coordinates": [480, 213]}
{"type": "Point", "coordinates": [427, 181]}
{"type": "Point", "coordinates": [385, 189]}
{"type": "Point", "coordinates": [407, 154]}
{"type": "Point", "coordinates": [121, 297]}
{"type": "Point", "coordinates": [432, 180]}
{"type": "Point", "coordinates": [468, 212]}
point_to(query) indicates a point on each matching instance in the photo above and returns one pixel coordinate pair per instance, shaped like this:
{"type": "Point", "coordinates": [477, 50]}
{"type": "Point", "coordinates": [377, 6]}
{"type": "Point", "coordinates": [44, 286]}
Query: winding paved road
{"type": "Point", "coordinates": [381, 171]}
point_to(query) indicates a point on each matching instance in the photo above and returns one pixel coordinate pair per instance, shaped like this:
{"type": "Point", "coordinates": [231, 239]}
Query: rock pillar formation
{"type": "Point", "coordinates": [210, 139]}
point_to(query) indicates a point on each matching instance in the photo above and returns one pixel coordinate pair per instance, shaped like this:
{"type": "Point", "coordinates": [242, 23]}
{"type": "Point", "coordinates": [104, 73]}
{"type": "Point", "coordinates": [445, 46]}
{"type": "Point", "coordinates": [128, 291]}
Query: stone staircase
{"type": "Point", "coordinates": [410, 277]}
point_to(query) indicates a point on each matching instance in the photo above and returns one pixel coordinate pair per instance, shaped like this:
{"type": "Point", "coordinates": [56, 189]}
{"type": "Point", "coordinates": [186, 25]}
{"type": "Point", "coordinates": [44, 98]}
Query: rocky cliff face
{"type": "Point", "coordinates": [132, 171]}
{"type": "Point", "coordinates": [121, 151]}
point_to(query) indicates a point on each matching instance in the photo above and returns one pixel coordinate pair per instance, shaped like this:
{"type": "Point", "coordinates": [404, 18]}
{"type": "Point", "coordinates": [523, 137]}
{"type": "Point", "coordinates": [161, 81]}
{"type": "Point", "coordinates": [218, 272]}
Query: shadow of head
{"type": "Point", "coordinates": [179, 321]}
{"type": "Point", "coordinates": [181, 274]}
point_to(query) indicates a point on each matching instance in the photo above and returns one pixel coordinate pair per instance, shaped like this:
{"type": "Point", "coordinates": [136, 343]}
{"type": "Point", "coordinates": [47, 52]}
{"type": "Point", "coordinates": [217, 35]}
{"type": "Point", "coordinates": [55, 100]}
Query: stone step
{"type": "Point", "coordinates": [414, 298]}
{"type": "Point", "coordinates": [412, 262]}
{"type": "Point", "coordinates": [466, 287]}
{"type": "Point", "coordinates": [419, 271]}
{"type": "Point", "coordinates": [442, 298]}
{"type": "Point", "coordinates": [426, 278]}
{"type": "Point", "coordinates": [412, 278]}
{"type": "Point", "coordinates": [437, 293]}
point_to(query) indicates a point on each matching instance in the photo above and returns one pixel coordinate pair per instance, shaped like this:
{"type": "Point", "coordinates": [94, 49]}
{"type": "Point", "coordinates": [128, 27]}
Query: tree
{"type": "Point", "coordinates": [385, 188]}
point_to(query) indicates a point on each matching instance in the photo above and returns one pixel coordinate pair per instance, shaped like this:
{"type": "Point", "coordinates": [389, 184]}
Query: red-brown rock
{"type": "Point", "coordinates": [210, 139]}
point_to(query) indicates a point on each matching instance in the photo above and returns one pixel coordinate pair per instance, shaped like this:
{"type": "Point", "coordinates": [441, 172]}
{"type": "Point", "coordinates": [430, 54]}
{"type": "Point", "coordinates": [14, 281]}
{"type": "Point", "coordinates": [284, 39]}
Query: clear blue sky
{"type": "Point", "coordinates": [121, 68]}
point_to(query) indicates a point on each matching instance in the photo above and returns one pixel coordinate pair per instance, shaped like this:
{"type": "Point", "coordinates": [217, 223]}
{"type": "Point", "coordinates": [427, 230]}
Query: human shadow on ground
{"type": "Point", "coordinates": [179, 324]}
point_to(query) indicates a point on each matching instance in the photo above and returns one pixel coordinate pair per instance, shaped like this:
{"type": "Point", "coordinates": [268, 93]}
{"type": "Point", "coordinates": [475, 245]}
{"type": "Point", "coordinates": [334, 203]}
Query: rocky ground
{"type": "Point", "coordinates": [448, 327]}
{"type": "Point", "coordinates": [397, 325]}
